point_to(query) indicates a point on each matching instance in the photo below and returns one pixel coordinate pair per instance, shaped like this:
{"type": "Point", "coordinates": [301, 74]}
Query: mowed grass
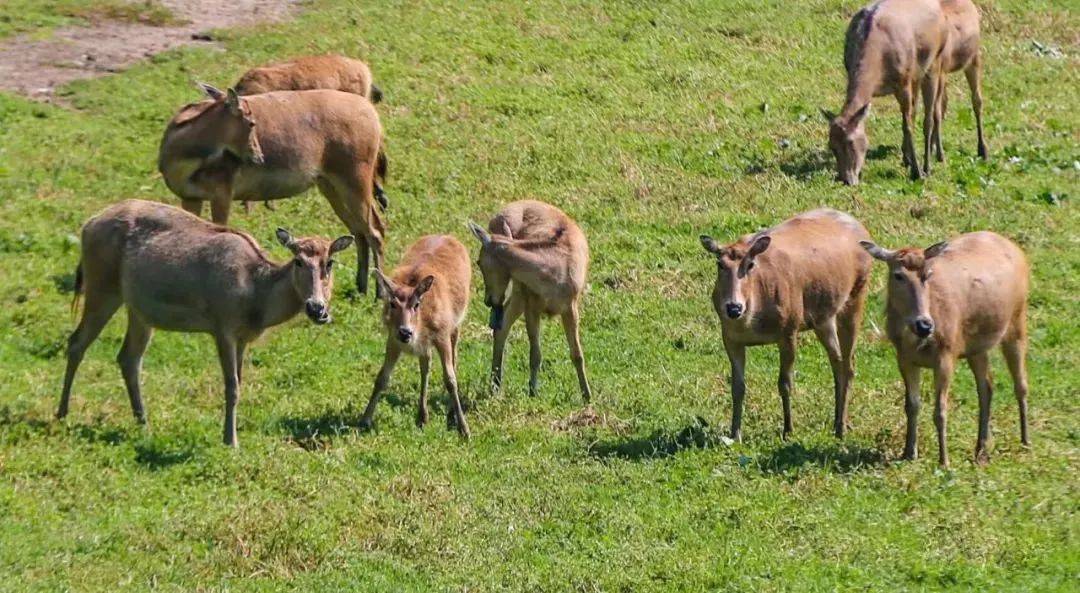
{"type": "Point", "coordinates": [649, 123]}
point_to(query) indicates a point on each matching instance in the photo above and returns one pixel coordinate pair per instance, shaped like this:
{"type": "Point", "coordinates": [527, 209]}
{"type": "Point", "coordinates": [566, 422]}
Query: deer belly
{"type": "Point", "coordinates": [261, 183]}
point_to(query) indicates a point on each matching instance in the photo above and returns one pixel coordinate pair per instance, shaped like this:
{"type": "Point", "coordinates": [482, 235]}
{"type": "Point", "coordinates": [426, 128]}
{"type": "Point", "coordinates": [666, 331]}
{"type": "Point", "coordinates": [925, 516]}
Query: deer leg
{"type": "Point", "coordinates": [130, 361]}
{"type": "Point", "coordinates": [193, 206]}
{"type": "Point", "coordinates": [514, 309]}
{"type": "Point", "coordinates": [367, 421]}
{"type": "Point", "coordinates": [783, 383]}
{"type": "Point", "coordinates": [422, 411]}
{"type": "Point", "coordinates": [97, 312]}
{"type": "Point", "coordinates": [939, 116]}
{"type": "Point", "coordinates": [341, 198]}
{"type": "Point", "coordinates": [455, 415]}
{"type": "Point", "coordinates": [910, 374]}
{"type": "Point", "coordinates": [247, 207]}
{"type": "Point", "coordinates": [363, 266]}
{"type": "Point", "coordinates": [240, 347]}
{"type": "Point", "coordinates": [974, 77]}
{"type": "Point", "coordinates": [219, 210]}
{"type": "Point", "coordinates": [980, 368]}
{"type": "Point", "coordinates": [532, 327]}
{"type": "Point", "coordinates": [571, 321]}
{"type": "Point", "coordinates": [737, 357]}
{"type": "Point", "coordinates": [848, 332]}
{"type": "Point", "coordinates": [906, 97]}
{"type": "Point", "coordinates": [1015, 352]}
{"type": "Point", "coordinates": [226, 346]}
{"type": "Point", "coordinates": [929, 92]}
{"type": "Point", "coordinates": [942, 378]}
{"type": "Point", "coordinates": [829, 337]}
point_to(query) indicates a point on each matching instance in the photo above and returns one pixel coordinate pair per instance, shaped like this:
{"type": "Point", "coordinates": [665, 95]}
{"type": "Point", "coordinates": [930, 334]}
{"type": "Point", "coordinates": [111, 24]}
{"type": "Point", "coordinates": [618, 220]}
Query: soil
{"type": "Point", "coordinates": [36, 67]}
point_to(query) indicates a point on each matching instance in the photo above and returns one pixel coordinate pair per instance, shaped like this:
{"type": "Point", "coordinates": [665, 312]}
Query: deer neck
{"type": "Point", "coordinates": [275, 299]}
{"type": "Point", "coordinates": [864, 79]}
{"type": "Point", "coordinates": [530, 266]}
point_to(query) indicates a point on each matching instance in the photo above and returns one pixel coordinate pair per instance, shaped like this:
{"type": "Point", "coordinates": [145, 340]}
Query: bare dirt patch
{"type": "Point", "coordinates": [36, 67]}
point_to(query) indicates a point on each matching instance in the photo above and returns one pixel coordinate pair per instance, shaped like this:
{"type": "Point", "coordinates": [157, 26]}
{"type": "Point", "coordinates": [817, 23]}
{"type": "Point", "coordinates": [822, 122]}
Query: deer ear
{"type": "Point", "coordinates": [506, 229]}
{"type": "Point", "coordinates": [709, 244]}
{"type": "Point", "coordinates": [759, 246]}
{"type": "Point", "coordinates": [232, 101]}
{"type": "Point", "coordinates": [935, 250]}
{"type": "Point", "coordinates": [859, 116]}
{"type": "Point", "coordinates": [341, 243]}
{"type": "Point", "coordinates": [876, 252]}
{"type": "Point", "coordinates": [388, 286]}
{"type": "Point", "coordinates": [480, 233]}
{"type": "Point", "coordinates": [211, 91]}
{"type": "Point", "coordinates": [828, 115]}
{"type": "Point", "coordinates": [286, 240]}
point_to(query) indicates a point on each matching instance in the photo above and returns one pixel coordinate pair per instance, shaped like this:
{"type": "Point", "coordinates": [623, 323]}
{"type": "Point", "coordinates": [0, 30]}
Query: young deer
{"type": "Point", "coordinates": [309, 73]}
{"type": "Point", "coordinates": [426, 299]}
{"type": "Point", "coordinates": [177, 272]}
{"type": "Point", "coordinates": [537, 253]}
{"type": "Point", "coordinates": [891, 47]}
{"type": "Point", "coordinates": [805, 273]}
{"type": "Point", "coordinates": [961, 53]}
{"type": "Point", "coordinates": [954, 300]}
{"type": "Point", "coordinates": [213, 150]}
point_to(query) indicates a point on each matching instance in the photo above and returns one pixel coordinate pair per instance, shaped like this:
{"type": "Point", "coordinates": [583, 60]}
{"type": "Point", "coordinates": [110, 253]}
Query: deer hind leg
{"type": "Point", "coordinates": [226, 346]}
{"type": "Point", "coordinates": [348, 213]}
{"type": "Point", "coordinates": [514, 309]}
{"type": "Point", "coordinates": [783, 383]}
{"type": "Point", "coordinates": [193, 206]}
{"type": "Point", "coordinates": [847, 325]}
{"type": "Point", "coordinates": [571, 321]}
{"type": "Point", "coordinates": [930, 93]}
{"type": "Point", "coordinates": [974, 77]}
{"type": "Point", "coordinates": [906, 97]}
{"type": "Point", "coordinates": [532, 327]}
{"type": "Point", "coordinates": [828, 335]}
{"type": "Point", "coordinates": [980, 368]}
{"type": "Point", "coordinates": [942, 105]}
{"type": "Point", "coordinates": [1015, 352]}
{"type": "Point", "coordinates": [97, 312]}
{"type": "Point", "coordinates": [130, 361]}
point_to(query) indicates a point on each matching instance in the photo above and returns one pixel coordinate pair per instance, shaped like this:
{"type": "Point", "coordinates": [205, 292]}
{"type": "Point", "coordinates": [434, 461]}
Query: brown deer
{"type": "Point", "coordinates": [177, 272]}
{"type": "Point", "coordinates": [961, 53]}
{"type": "Point", "coordinates": [538, 254]}
{"type": "Point", "coordinates": [954, 300]}
{"type": "Point", "coordinates": [426, 299]}
{"type": "Point", "coordinates": [805, 273]}
{"type": "Point", "coordinates": [318, 72]}
{"type": "Point", "coordinates": [892, 47]}
{"type": "Point", "coordinates": [213, 150]}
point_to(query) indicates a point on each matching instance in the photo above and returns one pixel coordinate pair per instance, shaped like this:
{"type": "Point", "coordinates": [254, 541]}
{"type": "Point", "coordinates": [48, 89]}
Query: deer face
{"type": "Point", "coordinates": [312, 271]}
{"type": "Point", "coordinates": [848, 143]}
{"type": "Point", "coordinates": [908, 293]}
{"type": "Point", "coordinates": [401, 313]}
{"type": "Point", "coordinates": [734, 264]}
{"type": "Point", "coordinates": [495, 273]}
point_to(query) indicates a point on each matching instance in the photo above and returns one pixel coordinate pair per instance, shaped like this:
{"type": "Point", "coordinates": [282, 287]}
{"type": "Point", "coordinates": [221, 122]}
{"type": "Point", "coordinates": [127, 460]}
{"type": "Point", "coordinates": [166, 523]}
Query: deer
{"type": "Point", "coordinates": [961, 53]}
{"type": "Point", "coordinates": [426, 298]}
{"type": "Point", "coordinates": [213, 151]}
{"type": "Point", "coordinates": [534, 260]}
{"type": "Point", "coordinates": [960, 298]}
{"type": "Point", "coordinates": [806, 273]}
{"type": "Point", "coordinates": [176, 272]}
{"type": "Point", "coordinates": [892, 47]}
{"type": "Point", "coordinates": [318, 72]}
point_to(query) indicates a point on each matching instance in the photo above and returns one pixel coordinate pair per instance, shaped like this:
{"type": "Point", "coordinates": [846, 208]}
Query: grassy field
{"type": "Point", "coordinates": [40, 16]}
{"type": "Point", "coordinates": [649, 123]}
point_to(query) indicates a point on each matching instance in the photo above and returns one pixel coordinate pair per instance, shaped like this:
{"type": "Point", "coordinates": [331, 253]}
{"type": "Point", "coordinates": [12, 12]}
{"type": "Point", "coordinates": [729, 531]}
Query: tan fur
{"type": "Point", "coordinates": [961, 53]}
{"type": "Point", "coordinates": [967, 296]}
{"type": "Point", "coordinates": [278, 145]}
{"type": "Point", "coordinates": [892, 48]}
{"type": "Point", "coordinates": [426, 299]}
{"type": "Point", "coordinates": [174, 271]}
{"type": "Point", "coordinates": [806, 273]}
{"type": "Point", "coordinates": [539, 254]}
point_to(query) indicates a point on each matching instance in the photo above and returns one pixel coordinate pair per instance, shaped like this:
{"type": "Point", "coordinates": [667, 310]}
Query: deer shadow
{"type": "Point", "coordinates": [157, 456]}
{"type": "Point", "coordinates": [659, 444]}
{"type": "Point", "coordinates": [841, 458]}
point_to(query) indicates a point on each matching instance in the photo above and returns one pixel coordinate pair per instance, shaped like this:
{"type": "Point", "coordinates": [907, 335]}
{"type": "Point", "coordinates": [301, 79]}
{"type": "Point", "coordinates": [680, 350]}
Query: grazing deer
{"type": "Point", "coordinates": [318, 72]}
{"type": "Point", "coordinates": [892, 47]}
{"type": "Point", "coordinates": [805, 273]}
{"type": "Point", "coordinates": [426, 299]}
{"type": "Point", "coordinates": [537, 253]}
{"type": "Point", "coordinates": [213, 150]}
{"type": "Point", "coordinates": [954, 300]}
{"type": "Point", "coordinates": [961, 53]}
{"type": "Point", "coordinates": [177, 272]}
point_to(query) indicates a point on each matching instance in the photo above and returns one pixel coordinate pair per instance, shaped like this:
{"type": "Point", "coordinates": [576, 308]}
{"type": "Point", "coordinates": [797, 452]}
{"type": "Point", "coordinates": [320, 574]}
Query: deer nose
{"type": "Point", "coordinates": [923, 327]}
{"type": "Point", "coordinates": [734, 310]}
{"type": "Point", "coordinates": [405, 335]}
{"type": "Point", "coordinates": [317, 312]}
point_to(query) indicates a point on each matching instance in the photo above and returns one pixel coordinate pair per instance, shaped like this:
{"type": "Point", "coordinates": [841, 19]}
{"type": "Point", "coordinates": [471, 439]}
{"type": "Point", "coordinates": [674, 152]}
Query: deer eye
{"type": "Point", "coordinates": [898, 275]}
{"type": "Point", "coordinates": [329, 264]}
{"type": "Point", "coordinates": [298, 263]}
{"type": "Point", "coordinates": [749, 266]}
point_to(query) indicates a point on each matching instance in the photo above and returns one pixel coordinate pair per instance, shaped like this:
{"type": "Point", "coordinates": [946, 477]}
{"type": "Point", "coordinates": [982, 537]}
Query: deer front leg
{"type": "Point", "coordinates": [980, 368]}
{"type": "Point", "coordinates": [910, 374]}
{"type": "Point", "coordinates": [513, 310]}
{"type": "Point", "coordinates": [422, 411]}
{"type": "Point", "coordinates": [571, 321]}
{"type": "Point", "coordinates": [906, 97]}
{"type": "Point", "coordinates": [226, 346]}
{"type": "Point", "coordinates": [367, 421]}
{"type": "Point", "coordinates": [942, 378]}
{"type": "Point", "coordinates": [737, 357]}
{"type": "Point", "coordinates": [787, 363]}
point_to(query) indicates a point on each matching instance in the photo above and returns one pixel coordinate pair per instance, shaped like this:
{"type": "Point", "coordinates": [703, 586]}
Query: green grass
{"type": "Point", "coordinates": [650, 123]}
{"type": "Point", "coordinates": [40, 16]}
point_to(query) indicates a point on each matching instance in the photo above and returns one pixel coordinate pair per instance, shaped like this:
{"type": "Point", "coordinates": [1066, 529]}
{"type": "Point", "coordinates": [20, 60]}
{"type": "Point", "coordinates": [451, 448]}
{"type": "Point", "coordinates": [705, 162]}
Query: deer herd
{"type": "Point", "coordinates": [311, 122]}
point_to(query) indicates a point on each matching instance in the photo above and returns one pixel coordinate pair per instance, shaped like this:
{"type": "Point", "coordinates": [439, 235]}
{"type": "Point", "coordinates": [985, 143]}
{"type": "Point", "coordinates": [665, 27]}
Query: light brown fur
{"type": "Point", "coordinates": [892, 47]}
{"type": "Point", "coordinates": [955, 300]}
{"type": "Point", "coordinates": [177, 272]}
{"type": "Point", "coordinates": [961, 53]}
{"type": "Point", "coordinates": [426, 299]}
{"type": "Point", "coordinates": [539, 254]}
{"type": "Point", "coordinates": [278, 145]}
{"type": "Point", "coordinates": [806, 273]}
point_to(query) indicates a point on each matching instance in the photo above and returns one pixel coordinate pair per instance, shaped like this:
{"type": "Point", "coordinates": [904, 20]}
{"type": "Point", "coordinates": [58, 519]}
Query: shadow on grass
{"type": "Point", "coordinates": [804, 165]}
{"type": "Point", "coordinates": [314, 433]}
{"type": "Point", "coordinates": [659, 444]}
{"type": "Point", "coordinates": [19, 427]}
{"type": "Point", "coordinates": [157, 456]}
{"type": "Point", "coordinates": [840, 458]}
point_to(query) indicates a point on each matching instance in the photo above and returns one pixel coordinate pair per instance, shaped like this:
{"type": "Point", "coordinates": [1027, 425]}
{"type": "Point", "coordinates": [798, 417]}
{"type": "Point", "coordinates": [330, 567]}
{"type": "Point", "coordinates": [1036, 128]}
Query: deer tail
{"type": "Point", "coordinates": [376, 94]}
